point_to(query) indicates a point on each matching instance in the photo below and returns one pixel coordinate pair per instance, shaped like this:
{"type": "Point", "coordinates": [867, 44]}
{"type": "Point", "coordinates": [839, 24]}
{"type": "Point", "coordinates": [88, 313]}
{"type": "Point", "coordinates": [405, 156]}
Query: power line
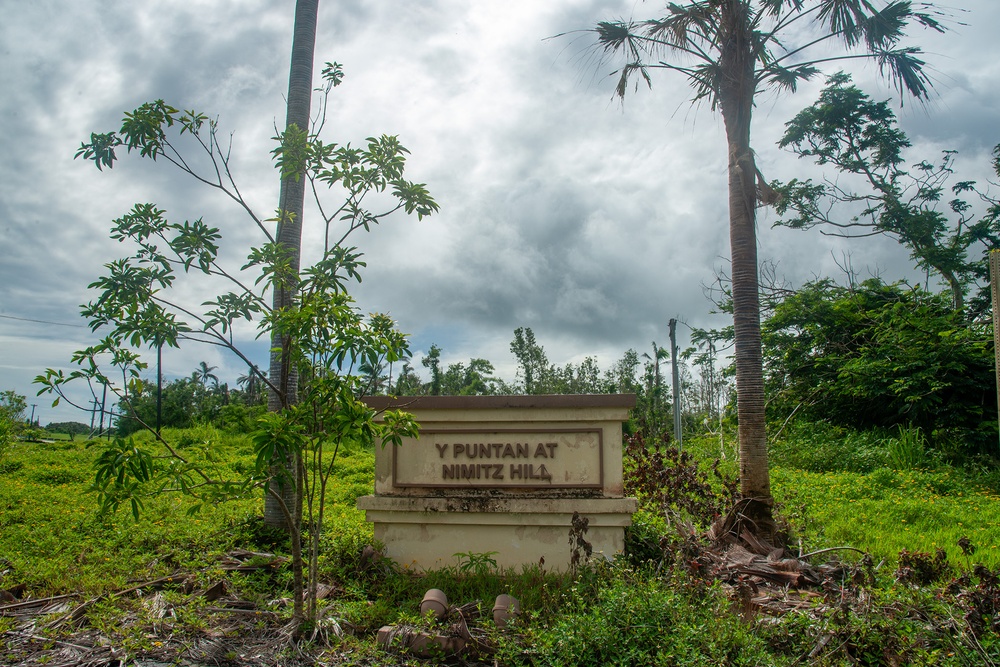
{"type": "Point", "coordinates": [26, 319]}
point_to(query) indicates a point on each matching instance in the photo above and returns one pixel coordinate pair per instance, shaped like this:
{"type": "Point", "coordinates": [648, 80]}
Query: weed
{"type": "Point", "coordinates": [642, 538]}
{"type": "Point", "coordinates": [908, 451]}
{"type": "Point", "coordinates": [978, 593]}
{"type": "Point", "coordinates": [580, 550]}
{"type": "Point", "coordinates": [58, 477]}
{"type": "Point", "coordinates": [921, 568]}
{"type": "Point", "coordinates": [647, 609]}
{"type": "Point", "coordinates": [608, 623]}
{"type": "Point", "coordinates": [669, 481]}
{"type": "Point", "coordinates": [479, 564]}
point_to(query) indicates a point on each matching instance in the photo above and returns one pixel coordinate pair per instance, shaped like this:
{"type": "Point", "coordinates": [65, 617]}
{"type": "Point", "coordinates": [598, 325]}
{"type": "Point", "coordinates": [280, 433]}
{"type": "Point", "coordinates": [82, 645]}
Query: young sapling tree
{"type": "Point", "coordinates": [139, 304]}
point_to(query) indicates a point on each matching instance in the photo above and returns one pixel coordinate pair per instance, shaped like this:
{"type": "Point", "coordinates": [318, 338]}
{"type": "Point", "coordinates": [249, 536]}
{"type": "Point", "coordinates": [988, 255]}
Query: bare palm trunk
{"type": "Point", "coordinates": [754, 477]}
{"type": "Point", "coordinates": [736, 100]}
{"type": "Point", "coordinates": [283, 373]}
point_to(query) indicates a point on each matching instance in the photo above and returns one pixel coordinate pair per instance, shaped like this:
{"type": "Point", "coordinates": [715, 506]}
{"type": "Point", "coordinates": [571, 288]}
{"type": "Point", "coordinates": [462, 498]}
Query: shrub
{"type": "Point", "coordinates": [670, 623]}
{"type": "Point", "coordinates": [874, 355]}
{"type": "Point", "coordinates": [643, 537]}
{"type": "Point", "coordinates": [921, 568]}
{"type": "Point", "coordinates": [12, 424]}
{"type": "Point", "coordinates": [669, 481]}
{"type": "Point", "coordinates": [6, 436]}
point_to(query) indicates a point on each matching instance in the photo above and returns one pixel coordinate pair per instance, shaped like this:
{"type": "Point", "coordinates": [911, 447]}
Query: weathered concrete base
{"type": "Point", "coordinates": [501, 474]}
{"type": "Point", "coordinates": [426, 533]}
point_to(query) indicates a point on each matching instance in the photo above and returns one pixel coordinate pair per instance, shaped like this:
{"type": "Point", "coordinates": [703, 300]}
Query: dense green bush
{"type": "Point", "coordinates": [643, 537]}
{"type": "Point", "coordinates": [6, 436]}
{"type": "Point", "coordinates": [873, 355]}
{"type": "Point", "coordinates": [178, 407]}
{"type": "Point", "coordinates": [187, 402]}
{"type": "Point", "coordinates": [72, 429]}
{"type": "Point", "coordinates": [675, 621]}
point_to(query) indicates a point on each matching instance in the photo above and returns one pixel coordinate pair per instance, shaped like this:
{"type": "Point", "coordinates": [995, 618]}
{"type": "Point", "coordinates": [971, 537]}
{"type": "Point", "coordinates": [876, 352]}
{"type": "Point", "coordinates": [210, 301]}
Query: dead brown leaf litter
{"type": "Point", "coordinates": [169, 620]}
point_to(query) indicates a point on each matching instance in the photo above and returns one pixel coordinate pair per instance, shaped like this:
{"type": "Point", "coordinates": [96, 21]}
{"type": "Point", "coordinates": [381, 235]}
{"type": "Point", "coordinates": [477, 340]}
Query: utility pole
{"type": "Point", "coordinates": [995, 290]}
{"type": "Point", "coordinates": [104, 399]}
{"type": "Point", "coordinates": [675, 373]}
{"type": "Point", "coordinates": [159, 384]}
{"type": "Point", "coordinates": [655, 393]}
{"type": "Point", "coordinates": [31, 421]}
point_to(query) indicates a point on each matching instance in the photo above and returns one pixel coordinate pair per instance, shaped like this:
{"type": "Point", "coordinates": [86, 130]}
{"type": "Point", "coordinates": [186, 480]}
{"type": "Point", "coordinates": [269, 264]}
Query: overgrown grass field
{"type": "Point", "coordinates": [887, 511]}
{"type": "Point", "coordinates": [631, 612]}
{"type": "Point", "coordinates": [842, 488]}
{"type": "Point", "coordinates": [53, 541]}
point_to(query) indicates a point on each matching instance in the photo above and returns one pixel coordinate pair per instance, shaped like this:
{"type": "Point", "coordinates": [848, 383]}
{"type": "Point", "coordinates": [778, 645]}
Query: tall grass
{"type": "Point", "coordinates": [908, 451]}
{"type": "Point", "coordinates": [51, 534]}
{"type": "Point", "coordinates": [879, 491]}
{"type": "Point", "coordinates": [822, 447]}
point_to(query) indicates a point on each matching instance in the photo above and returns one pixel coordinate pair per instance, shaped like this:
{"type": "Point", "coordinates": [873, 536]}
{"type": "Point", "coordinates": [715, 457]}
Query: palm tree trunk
{"type": "Point", "coordinates": [754, 477]}
{"type": "Point", "coordinates": [283, 373]}
{"type": "Point", "coordinates": [736, 101]}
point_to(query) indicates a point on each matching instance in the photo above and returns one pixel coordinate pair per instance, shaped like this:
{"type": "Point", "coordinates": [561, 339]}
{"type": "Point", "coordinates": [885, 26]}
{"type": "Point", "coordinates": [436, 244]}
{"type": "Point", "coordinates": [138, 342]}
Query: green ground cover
{"type": "Point", "coordinates": [887, 511]}
{"type": "Point", "coordinates": [639, 610]}
{"type": "Point", "coordinates": [53, 540]}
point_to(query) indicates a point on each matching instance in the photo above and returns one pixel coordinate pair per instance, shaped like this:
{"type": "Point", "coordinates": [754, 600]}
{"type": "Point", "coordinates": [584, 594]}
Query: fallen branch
{"type": "Point", "coordinates": [49, 640]}
{"type": "Point", "coordinates": [42, 602]}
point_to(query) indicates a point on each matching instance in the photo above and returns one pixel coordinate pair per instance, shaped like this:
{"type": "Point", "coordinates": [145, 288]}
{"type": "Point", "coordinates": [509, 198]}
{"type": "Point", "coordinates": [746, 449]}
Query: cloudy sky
{"type": "Point", "coordinates": [562, 210]}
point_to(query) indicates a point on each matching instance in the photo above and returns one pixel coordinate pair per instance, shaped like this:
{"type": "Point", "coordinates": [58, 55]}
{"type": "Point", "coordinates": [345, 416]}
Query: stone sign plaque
{"type": "Point", "coordinates": [503, 475]}
{"type": "Point", "coordinates": [550, 458]}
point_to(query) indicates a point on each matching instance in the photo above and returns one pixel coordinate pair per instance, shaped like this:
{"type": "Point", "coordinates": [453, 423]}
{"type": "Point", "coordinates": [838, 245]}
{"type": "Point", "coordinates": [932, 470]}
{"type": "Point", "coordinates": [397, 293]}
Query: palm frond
{"type": "Point", "coordinates": [871, 29]}
{"type": "Point", "coordinates": [788, 78]}
{"type": "Point", "coordinates": [696, 19]}
{"type": "Point", "coordinates": [884, 28]}
{"type": "Point", "coordinates": [625, 72]}
{"type": "Point", "coordinates": [705, 80]}
{"type": "Point", "coordinates": [929, 20]}
{"type": "Point", "coordinates": [905, 70]}
{"type": "Point", "coordinates": [845, 17]}
{"type": "Point", "coordinates": [620, 35]}
{"type": "Point", "coordinates": [781, 7]}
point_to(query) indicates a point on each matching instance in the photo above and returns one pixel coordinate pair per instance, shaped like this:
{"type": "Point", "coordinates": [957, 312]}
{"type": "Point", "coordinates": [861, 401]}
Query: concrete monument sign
{"type": "Point", "coordinates": [501, 474]}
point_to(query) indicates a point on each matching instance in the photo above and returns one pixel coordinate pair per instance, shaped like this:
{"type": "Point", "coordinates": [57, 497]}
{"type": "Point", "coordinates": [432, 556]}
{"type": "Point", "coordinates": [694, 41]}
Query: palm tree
{"type": "Point", "coordinates": [373, 372]}
{"type": "Point", "coordinates": [729, 50]}
{"type": "Point", "coordinates": [653, 385]}
{"type": "Point", "coordinates": [250, 383]}
{"type": "Point", "coordinates": [291, 201]}
{"type": "Point", "coordinates": [204, 374]}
